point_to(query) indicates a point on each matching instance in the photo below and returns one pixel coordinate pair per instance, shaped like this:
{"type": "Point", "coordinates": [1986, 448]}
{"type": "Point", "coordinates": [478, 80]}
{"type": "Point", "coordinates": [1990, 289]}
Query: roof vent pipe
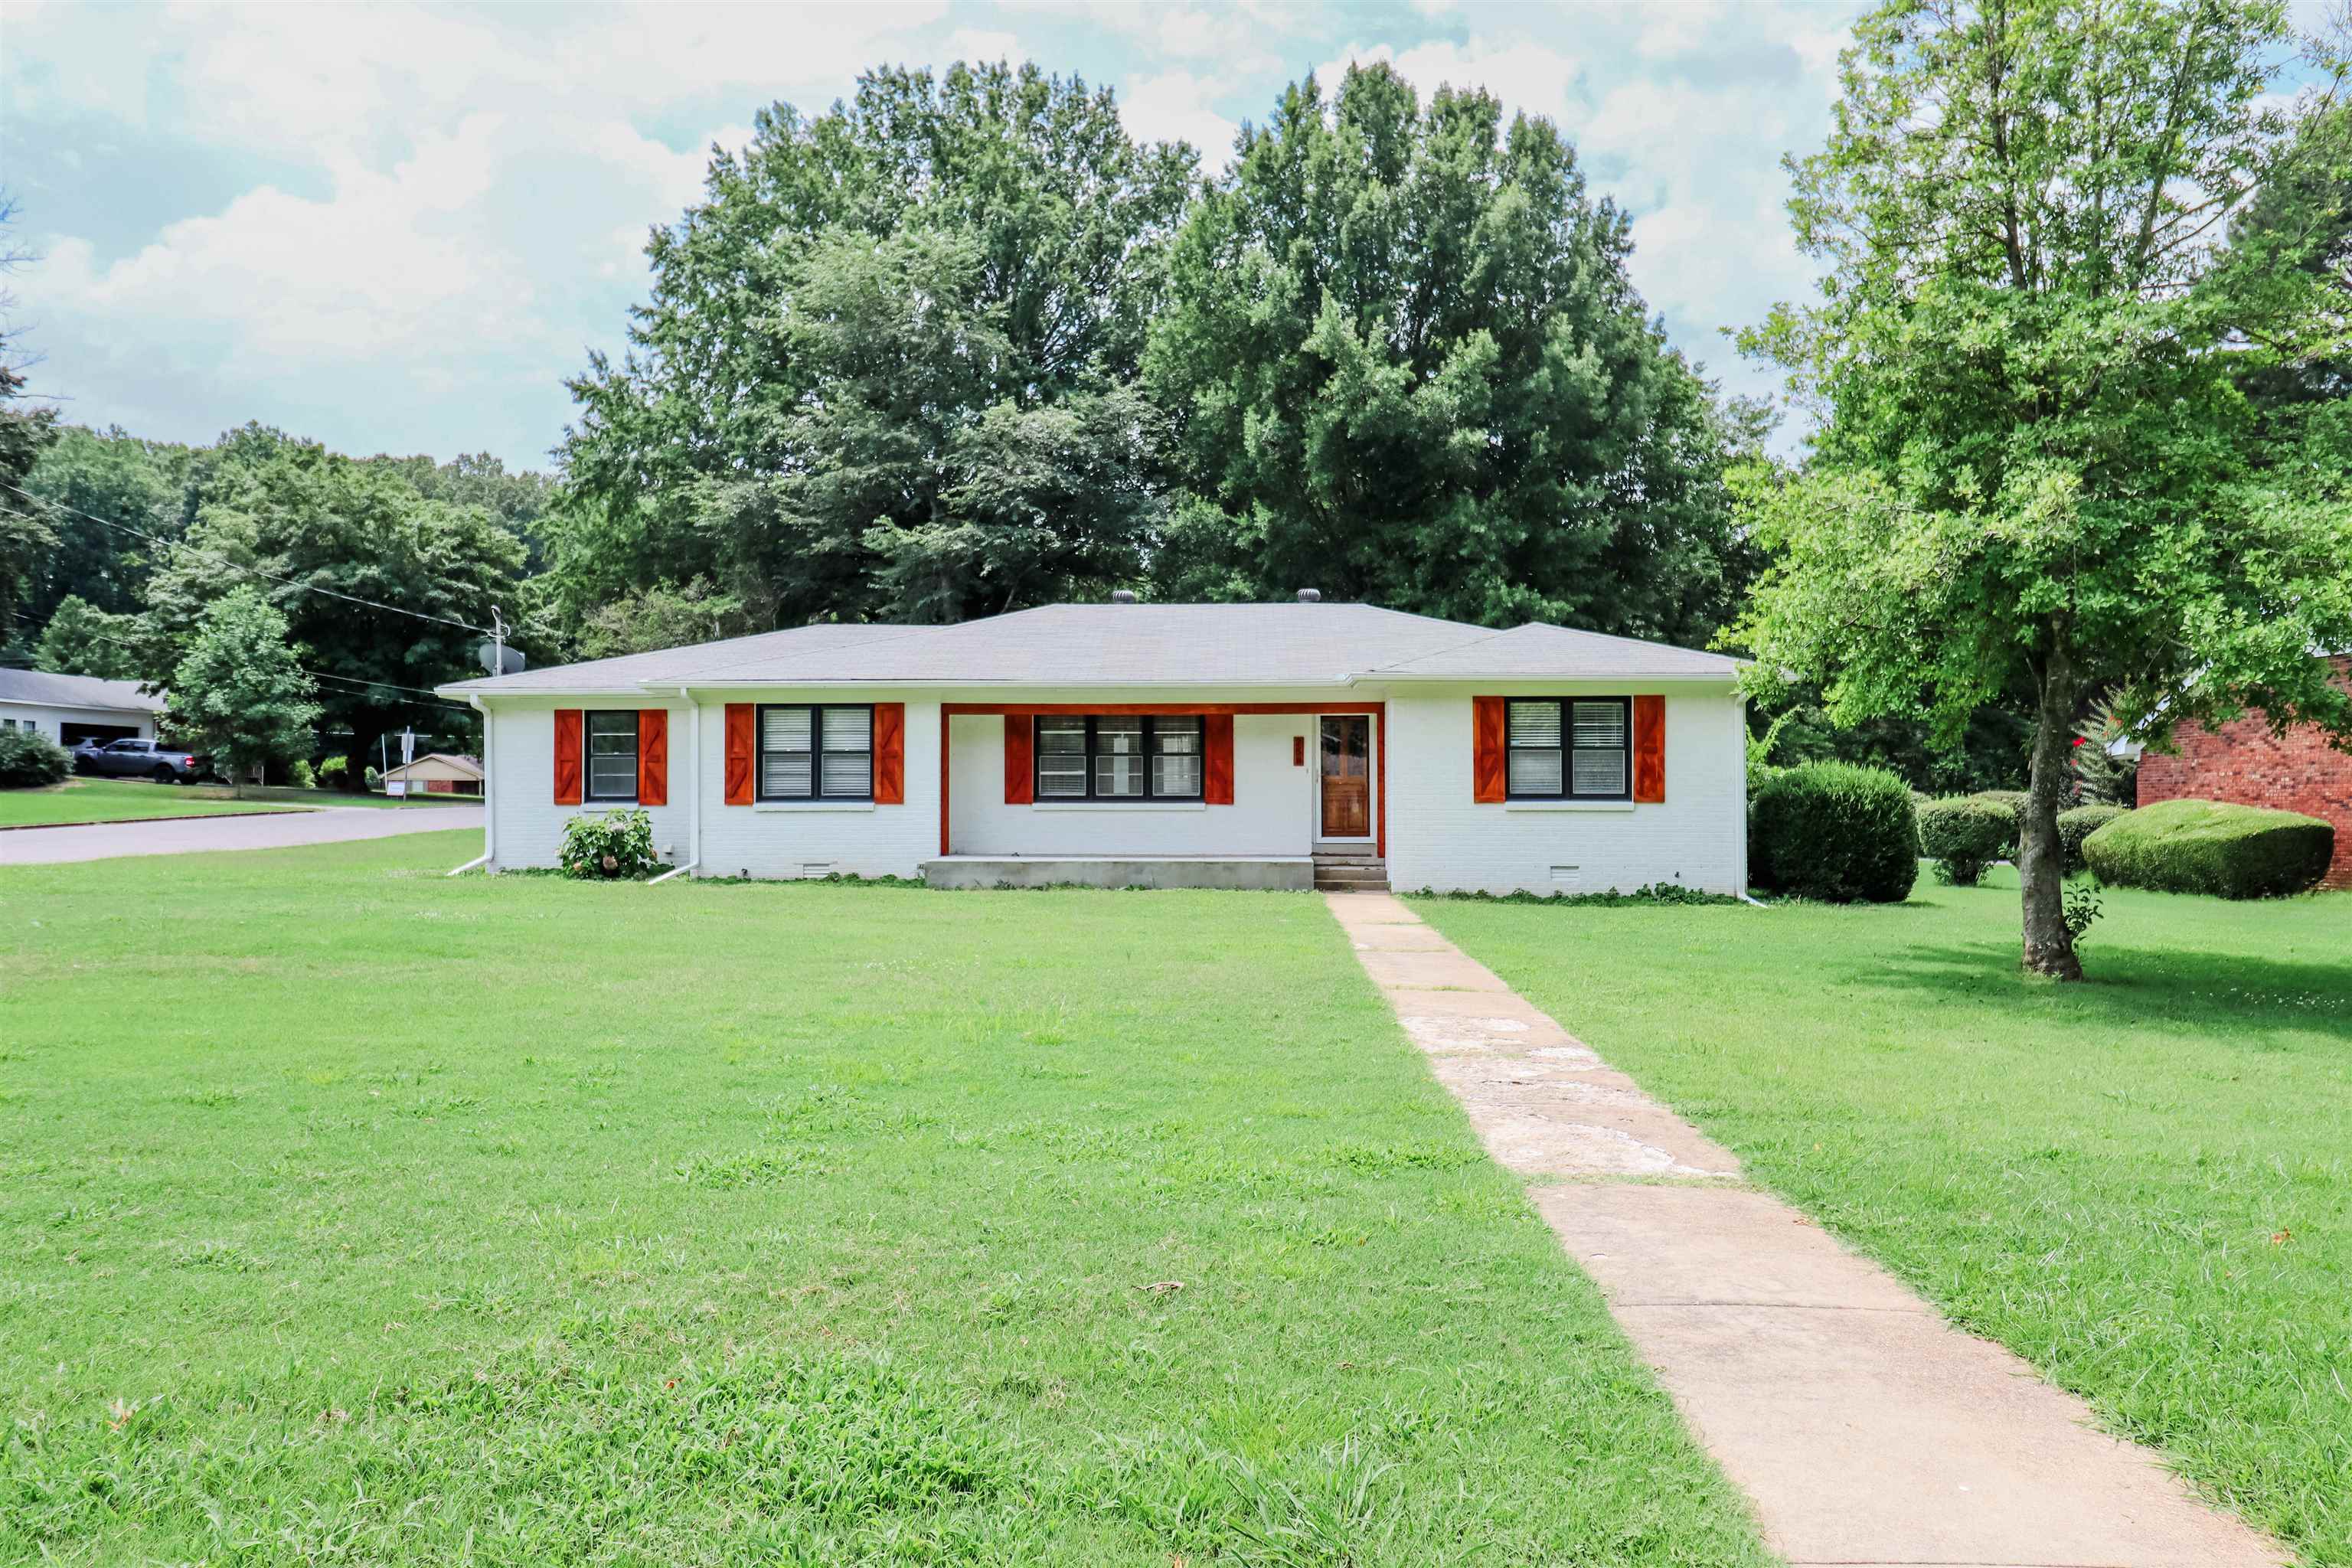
{"type": "Point", "coordinates": [1309, 596]}
{"type": "Point", "coordinates": [1122, 597]}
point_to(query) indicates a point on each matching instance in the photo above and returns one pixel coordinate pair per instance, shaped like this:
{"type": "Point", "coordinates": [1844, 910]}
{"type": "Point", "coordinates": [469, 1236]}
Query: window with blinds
{"type": "Point", "coordinates": [1108, 756]}
{"type": "Point", "coordinates": [815, 752]}
{"type": "Point", "coordinates": [1578, 748]}
{"type": "Point", "coordinates": [612, 770]}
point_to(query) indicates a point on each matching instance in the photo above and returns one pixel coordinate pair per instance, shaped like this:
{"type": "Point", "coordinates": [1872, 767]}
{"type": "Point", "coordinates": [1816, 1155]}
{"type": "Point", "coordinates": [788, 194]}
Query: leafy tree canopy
{"type": "Point", "coordinates": [2037, 472]}
{"type": "Point", "coordinates": [82, 639]}
{"type": "Point", "coordinates": [1410, 368]}
{"type": "Point", "coordinates": [310, 519]}
{"type": "Point", "coordinates": [881, 374]}
{"type": "Point", "coordinates": [238, 692]}
{"type": "Point", "coordinates": [93, 479]}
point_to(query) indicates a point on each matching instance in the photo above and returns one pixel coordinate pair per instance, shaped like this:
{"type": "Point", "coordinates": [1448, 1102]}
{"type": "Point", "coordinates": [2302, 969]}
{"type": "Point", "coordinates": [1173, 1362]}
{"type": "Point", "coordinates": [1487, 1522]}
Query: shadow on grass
{"type": "Point", "coordinates": [2229, 996]}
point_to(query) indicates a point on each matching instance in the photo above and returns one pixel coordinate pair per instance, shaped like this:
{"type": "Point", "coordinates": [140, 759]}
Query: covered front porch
{"type": "Point", "coordinates": [1166, 793]}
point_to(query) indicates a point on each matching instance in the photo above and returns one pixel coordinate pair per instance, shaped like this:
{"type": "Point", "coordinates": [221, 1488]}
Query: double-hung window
{"type": "Point", "coordinates": [1573, 748]}
{"type": "Point", "coordinates": [817, 751]}
{"type": "Point", "coordinates": [1111, 756]}
{"type": "Point", "coordinates": [612, 753]}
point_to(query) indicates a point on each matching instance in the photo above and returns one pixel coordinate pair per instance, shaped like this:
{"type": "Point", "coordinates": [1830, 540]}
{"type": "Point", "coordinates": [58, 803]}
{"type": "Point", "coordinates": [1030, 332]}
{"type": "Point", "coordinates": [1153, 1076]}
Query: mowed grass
{"type": "Point", "coordinates": [117, 800]}
{"type": "Point", "coordinates": [354, 1214]}
{"type": "Point", "coordinates": [2142, 1183]}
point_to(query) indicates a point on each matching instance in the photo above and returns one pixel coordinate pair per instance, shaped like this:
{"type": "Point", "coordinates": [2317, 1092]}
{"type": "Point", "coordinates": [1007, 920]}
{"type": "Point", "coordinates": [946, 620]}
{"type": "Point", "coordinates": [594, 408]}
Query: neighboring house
{"type": "Point", "coordinates": [1216, 745]}
{"type": "Point", "coordinates": [436, 773]}
{"type": "Point", "coordinates": [2243, 762]}
{"type": "Point", "coordinates": [69, 709]}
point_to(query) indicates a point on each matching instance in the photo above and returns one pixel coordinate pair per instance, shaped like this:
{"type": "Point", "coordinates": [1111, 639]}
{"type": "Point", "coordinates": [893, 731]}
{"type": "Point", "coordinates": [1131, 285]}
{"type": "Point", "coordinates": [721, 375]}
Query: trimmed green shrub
{"type": "Point", "coordinates": [1964, 835]}
{"type": "Point", "coordinates": [330, 774]}
{"type": "Point", "coordinates": [609, 844]}
{"type": "Point", "coordinates": [31, 760]}
{"type": "Point", "coordinates": [1836, 832]}
{"type": "Point", "coordinates": [2211, 847]}
{"type": "Point", "coordinates": [2079, 824]}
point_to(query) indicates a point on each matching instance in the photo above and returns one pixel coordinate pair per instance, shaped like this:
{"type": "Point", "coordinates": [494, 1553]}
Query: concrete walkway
{"type": "Point", "coordinates": [186, 835]}
{"type": "Point", "coordinates": [1863, 1428]}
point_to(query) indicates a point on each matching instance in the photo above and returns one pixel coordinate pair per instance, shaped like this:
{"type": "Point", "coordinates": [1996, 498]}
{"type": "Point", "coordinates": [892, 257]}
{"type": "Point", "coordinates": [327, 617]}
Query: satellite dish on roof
{"type": "Point", "coordinates": [499, 659]}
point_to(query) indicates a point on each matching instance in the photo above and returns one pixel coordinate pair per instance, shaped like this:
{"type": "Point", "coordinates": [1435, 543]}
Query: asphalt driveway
{"type": "Point", "coordinates": [186, 836]}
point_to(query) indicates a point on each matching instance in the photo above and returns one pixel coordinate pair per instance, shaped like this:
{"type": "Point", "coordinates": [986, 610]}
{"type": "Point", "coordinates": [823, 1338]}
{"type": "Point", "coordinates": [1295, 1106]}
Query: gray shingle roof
{"type": "Point", "coordinates": [74, 692]}
{"type": "Point", "coordinates": [1135, 645]}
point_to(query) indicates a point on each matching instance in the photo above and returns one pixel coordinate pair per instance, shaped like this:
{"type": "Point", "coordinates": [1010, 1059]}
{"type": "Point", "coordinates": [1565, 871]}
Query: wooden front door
{"type": "Point", "coordinates": [1347, 775]}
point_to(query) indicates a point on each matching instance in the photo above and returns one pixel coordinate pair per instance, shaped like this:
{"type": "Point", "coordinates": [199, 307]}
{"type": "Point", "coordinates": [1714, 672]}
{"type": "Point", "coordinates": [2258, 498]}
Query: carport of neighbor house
{"type": "Point", "coordinates": [1277, 799]}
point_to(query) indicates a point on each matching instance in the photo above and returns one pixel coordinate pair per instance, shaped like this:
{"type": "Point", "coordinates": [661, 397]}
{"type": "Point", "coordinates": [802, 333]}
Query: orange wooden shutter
{"type": "Point", "coordinates": [1489, 771]}
{"type": "Point", "coordinates": [653, 757]}
{"type": "Point", "coordinates": [890, 753]}
{"type": "Point", "coordinates": [1217, 742]}
{"type": "Point", "coordinates": [567, 756]}
{"type": "Point", "coordinates": [1020, 778]}
{"type": "Point", "coordinates": [1650, 749]}
{"type": "Point", "coordinates": [739, 720]}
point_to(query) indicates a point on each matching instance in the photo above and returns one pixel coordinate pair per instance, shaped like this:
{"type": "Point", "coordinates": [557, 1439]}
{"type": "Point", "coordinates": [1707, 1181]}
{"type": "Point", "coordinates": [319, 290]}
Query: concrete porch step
{"type": "Point", "coordinates": [1351, 876]}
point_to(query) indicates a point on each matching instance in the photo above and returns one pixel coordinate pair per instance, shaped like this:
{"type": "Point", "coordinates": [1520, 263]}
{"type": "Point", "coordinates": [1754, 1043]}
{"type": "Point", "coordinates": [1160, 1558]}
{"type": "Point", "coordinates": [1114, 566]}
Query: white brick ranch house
{"type": "Point", "coordinates": [1198, 745]}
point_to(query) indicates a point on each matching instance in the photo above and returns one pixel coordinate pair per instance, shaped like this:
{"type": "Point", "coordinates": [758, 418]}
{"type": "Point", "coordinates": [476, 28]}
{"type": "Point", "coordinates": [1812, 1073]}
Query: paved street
{"type": "Point", "coordinates": [105, 840]}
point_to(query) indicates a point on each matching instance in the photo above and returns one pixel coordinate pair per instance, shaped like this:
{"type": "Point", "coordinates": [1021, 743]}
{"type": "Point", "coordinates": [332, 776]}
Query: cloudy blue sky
{"type": "Point", "coordinates": [398, 229]}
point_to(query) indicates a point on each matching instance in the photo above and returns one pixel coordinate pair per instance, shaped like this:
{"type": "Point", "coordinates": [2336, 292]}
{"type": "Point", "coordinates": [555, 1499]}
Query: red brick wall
{"type": "Point", "coordinates": [2243, 762]}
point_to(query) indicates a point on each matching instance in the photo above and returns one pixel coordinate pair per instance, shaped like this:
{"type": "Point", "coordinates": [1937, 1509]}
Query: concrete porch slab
{"type": "Point", "coordinates": [1265, 873]}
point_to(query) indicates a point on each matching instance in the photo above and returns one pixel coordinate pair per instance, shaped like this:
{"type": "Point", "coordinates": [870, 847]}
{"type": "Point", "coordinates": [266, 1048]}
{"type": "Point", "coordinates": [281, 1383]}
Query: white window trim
{"type": "Point", "coordinates": [789, 805]}
{"type": "Point", "coordinates": [1568, 805]}
{"type": "Point", "coordinates": [1119, 805]}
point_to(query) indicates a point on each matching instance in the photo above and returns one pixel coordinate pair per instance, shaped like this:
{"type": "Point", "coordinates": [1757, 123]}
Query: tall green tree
{"type": "Point", "coordinates": [240, 692]}
{"type": "Point", "coordinates": [108, 489]}
{"type": "Point", "coordinates": [2037, 473]}
{"type": "Point", "coordinates": [306, 519]}
{"type": "Point", "coordinates": [1409, 366]}
{"type": "Point", "coordinates": [881, 371]}
{"type": "Point", "coordinates": [27, 429]}
{"type": "Point", "coordinates": [82, 639]}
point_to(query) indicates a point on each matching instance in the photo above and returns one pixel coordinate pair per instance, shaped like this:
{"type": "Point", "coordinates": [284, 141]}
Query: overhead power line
{"type": "Point", "coordinates": [314, 674]}
{"type": "Point", "coordinates": [241, 566]}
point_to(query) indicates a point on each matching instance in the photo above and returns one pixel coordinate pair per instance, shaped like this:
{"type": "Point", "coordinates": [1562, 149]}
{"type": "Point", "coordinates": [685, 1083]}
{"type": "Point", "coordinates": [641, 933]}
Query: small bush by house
{"type": "Point", "coordinates": [609, 844]}
{"type": "Point", "coordinates": [2211, 847]}
{"type": "Point", "coordinates": [1836, 832]}
{"type": "Point", "coordinates": [31, 760]}
{"type": "Point", "coordinates": [1964, 834]}
{"type": "Point", "coordinates": [2079, 824]}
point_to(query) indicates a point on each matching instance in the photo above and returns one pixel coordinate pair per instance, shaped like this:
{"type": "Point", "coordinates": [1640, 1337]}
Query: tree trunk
{"type": "Point", "coordinates": [2040, 857]}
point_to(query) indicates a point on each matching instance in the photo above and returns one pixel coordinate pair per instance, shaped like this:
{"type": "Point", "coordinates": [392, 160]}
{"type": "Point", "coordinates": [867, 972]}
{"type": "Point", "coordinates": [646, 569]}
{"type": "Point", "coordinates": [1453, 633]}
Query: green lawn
{"type": "Point", "coordinates": [2142, 1183]}
{"type": "Point", "coordinates": [355, 1215]}
{"type": "Point", "coordinates": [117, 800]}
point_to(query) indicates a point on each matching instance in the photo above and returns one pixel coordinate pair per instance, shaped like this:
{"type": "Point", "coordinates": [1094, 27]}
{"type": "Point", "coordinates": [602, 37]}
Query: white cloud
{"type": "Point", "coordinates": [1174, 106]}
{"type": "Point", "coordinates": [974, 47]}
{"type": "Point", "coordinates": [418, 219]}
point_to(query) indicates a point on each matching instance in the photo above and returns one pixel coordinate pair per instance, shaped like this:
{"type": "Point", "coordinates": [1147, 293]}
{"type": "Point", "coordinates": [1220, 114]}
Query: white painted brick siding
{"type": "Point", "coordinates": [1438, 836]}
{"type": "Point", "coordinates": [1273, 811]}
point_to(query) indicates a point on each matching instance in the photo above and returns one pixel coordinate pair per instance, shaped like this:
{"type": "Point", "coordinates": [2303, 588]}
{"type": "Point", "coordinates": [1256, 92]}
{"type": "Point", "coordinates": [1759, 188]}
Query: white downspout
{"type": "Point", "coordinates": [489, 810]}
{"type": "Point", "coordinates": [693, 800]}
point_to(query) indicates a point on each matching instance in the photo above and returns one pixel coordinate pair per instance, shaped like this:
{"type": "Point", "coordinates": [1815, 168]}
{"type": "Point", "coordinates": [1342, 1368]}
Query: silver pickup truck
{"type": "Point", "coordinates": [142, 760]}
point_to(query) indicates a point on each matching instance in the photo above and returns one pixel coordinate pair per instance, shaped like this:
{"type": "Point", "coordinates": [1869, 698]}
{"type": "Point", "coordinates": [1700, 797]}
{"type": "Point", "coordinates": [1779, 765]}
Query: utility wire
{"type": "Point", "coordinates": [316, 674]}
{"type": "Point", "coordinates": [240, 566]}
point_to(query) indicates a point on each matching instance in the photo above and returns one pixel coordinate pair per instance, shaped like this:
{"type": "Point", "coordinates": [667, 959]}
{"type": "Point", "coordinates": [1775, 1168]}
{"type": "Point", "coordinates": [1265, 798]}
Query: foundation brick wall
{"type": "Point", "coordinates": [2243, 762]}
